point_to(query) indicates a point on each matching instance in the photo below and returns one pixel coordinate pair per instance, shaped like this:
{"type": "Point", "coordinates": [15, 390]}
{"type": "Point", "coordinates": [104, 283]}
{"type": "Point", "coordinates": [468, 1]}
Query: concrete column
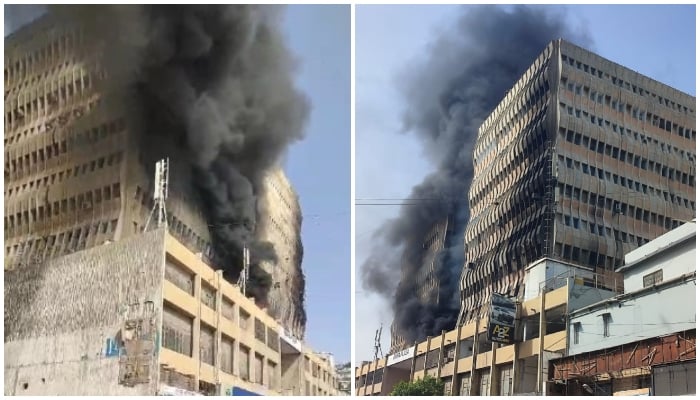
{"type": "Point", "coordinates": [515, 375]}
{"type": "Point", "coordinates": [425, 362]}
{"type": "Point", "coordinates": [413, 361]}
{"type": "Point", "coordinates": [473, 389]}
{"type": "Point", "coordinates": [543, 331]}
{"type": "Point", "coordinates": [456, 364]}
{"type": "Point", "coordinates": [217, 333]}
{"type": "Point", "coordinates": [196, 324]}
{"type": "Point", "coordinates": [492, 367]}
{"type": "Point", "coordinates": [440, 353]}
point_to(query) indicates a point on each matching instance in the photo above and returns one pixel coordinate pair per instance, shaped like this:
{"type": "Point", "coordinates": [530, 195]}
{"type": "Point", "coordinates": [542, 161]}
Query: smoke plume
{"type": "Point", "coordinates": [216, 80]}
{"type": "Point", "coordinates": [465, 73]}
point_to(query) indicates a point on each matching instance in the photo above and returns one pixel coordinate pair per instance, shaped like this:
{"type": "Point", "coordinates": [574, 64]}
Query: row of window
{"type": "Point", "coordinates": [47, 103]}
{"type": "Point", "coordinates": [601, 230]}
{"type": "Point", "coordinates": [585, 257]}
{"type": "Point", "coordinates": [529, 92]}
{"type": "Point", "coordinates": [73, 171]}
{"type": "Point", "coordinates": [81, 202]}
{"type": "Point", "coordinates": [628, 157]}
{"type": "Point", "coordinates": [624, 84]}
{"type": "Point", "coordinates": [184, 279]}
{"type": "Point", "coordinates": [615, 206]}
{"type": "Point", "coordinates": [180, 340]}
{"type": "Point", "coordinates": [533, 99]}
{"type": "Point", "coordinates": [530, 146]}
{"type": "Point", "coordinates": [43, 57]}
{"type": "Point", "coordinates": [46, 125]}
{"type": "Point", "coordinates": [627, 183]}
{"type": "Point", "coordinates": [634, 112]}
{"type": "Point", "coordinates": [21, 166]}
{"type": "Point", "coordinates": [64, 242]}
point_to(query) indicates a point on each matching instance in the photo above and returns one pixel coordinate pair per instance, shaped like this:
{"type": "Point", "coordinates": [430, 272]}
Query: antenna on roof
{"type": "Point", "coordinates": [378, 343]}
{"type": "Point", "coordinates": [160, 194]}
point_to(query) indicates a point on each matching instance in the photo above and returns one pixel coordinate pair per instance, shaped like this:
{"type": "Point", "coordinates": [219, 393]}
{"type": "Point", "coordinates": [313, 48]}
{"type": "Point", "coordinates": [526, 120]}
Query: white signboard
{"type": "Point", "coordinates": [294, 342]}
{"type": "Point", "coordinates": [166, 390]}
{"type": "Point", "coordinates": [402, 355]}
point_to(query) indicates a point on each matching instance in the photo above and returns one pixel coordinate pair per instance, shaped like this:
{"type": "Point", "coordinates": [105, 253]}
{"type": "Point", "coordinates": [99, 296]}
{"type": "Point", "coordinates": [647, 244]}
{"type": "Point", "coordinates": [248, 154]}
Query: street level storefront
{"type": "Point", "coordinates": [501, 353]}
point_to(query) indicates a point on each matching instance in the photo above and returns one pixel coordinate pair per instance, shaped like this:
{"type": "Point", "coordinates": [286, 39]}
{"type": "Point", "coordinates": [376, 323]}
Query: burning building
{"type": "Point", "coordinates": [423, 282]}
{"type": "Point", "coordinates": [95, 95]}
{"type": "Point", "coordinates": [584, 160]}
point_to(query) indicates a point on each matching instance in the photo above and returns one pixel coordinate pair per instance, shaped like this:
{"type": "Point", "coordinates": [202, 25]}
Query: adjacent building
{"type": "Point", "coordinates": [584, 160]}
{"type": "Point", "coordinates": [641, 342]}
{"type": "Point", "coordinates": [280, 224]}
{"type": "Point", "coordinates": [469, 364]}
{"type": "Point", "coordinates": [422, 281]}
{"type": "Point", "coordinates": [146, 316]}
{"type": "Point", "coordinates": [593, 338]}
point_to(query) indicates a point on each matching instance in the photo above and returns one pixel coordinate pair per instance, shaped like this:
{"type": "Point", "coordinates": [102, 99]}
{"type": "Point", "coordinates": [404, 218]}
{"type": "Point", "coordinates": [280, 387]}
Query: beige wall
{"type": "Point", "coordinates": [280, 224]}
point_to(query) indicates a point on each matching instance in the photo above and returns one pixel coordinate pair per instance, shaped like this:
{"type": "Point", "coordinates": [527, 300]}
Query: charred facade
{"type": "Point", "coordinates": [423, 282]}
{"type": "Point", "coordinates": [87, 116]}
{"type": "Point", "coordinates": [583, 160]}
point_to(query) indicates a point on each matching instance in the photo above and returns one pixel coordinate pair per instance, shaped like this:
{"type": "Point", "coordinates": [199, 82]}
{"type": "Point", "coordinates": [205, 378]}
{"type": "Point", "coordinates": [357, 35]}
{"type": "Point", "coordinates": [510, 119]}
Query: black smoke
{"type": "Point", "coordinates": [217, 81]}
{"type": "Point", "coordinates": [449, 92]}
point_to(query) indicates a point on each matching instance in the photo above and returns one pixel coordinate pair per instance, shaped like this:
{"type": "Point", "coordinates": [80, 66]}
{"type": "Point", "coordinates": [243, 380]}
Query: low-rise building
{"type": "Point", "coordinates": [469, 364]}
{"type": "Point", "coordinates": [642, 341]}
{"type": "Point", "coordinates": [144, 316]}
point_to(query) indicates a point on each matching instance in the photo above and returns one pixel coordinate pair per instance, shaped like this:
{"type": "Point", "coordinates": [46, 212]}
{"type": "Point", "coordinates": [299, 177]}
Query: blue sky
{"type": "Point", "coordinates": [319, 169]}
{"type": "Point", "coordinates": [657, 41]}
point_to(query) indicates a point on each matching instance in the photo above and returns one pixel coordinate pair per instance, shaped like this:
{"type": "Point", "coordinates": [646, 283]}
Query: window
{"type": "Point", "coordinates": [654, 278]}
{"type": "Point", "coordinates": [606, 324]}
{"type": "Point", "coordinates": [577, 332]}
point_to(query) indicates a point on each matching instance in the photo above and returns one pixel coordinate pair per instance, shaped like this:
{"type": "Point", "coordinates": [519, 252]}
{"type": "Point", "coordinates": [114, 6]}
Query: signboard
{"type": "Point", "coordinates": [291, 340]}
{"type": "Point", "coordinates": [501, 319]}
{"type": "Point", "coordinates": [402, 355]}
{"type": "Point", "coordinates": [236, 391]}
{"type": "Point", "coordinates": [166, 390]}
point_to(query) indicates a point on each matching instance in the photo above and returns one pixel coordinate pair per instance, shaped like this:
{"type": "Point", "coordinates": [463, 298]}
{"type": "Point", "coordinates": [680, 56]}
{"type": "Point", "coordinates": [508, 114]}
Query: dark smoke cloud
{"type": "Point", "coordinates": [449, 93]}
{"type": "Point", "coordinates": [217, 79]}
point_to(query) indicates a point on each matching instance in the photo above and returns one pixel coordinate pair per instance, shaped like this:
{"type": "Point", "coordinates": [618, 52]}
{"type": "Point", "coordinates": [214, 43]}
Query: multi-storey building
{"type": "Point", "coordinates": [142, 316]}
{"type": "Point", "coordinates": [79, 171]}
{"type": "Point", "coordinates": [422, 281]}
{"type": "Point", "coordinates": [280, 224]}
{"type": "Point", "coordinates": [469, 364]}
{"type": "Point", "coordinates": [584, 160]}
{"type": "Point", "coordinates": [641, 342]}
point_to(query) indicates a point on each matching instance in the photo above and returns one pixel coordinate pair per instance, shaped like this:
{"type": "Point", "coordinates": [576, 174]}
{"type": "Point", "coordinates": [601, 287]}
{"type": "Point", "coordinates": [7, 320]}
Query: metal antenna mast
{"type": "Point", "coordinates": [243, 278]}
{"type": "Point", "coordinates": [160, 194]}
{"type": "Point", "coordinates": [378, 343]}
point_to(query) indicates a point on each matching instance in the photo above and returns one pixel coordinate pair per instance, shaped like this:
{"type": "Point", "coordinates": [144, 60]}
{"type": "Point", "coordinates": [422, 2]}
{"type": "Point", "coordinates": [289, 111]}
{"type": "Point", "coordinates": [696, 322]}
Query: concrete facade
{"type": "Point", "coordinates": [280, 224]}
{"type": "Point", "coordinates": [584, 160]}
{"type": "Point", "coordinates": [469, 365]}
{"type": "Point", "coordinates": [59, 316]}
{"type": "Point", "coordinates": [616, 344]}
{"type": "Point", "coordinates": [79, 171]}
{"type": "Point", "coordinates": [425, 283]}
{"type": "Point", "coordinates": [75, 324]}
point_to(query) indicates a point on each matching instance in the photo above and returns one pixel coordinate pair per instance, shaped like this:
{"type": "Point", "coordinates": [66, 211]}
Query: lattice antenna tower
{"type": "Point", "coordinates": [243, 278]}
{"type": "Point", "coordinates": [378, 343]}
{"type": "Point", "coordinates": [160, 194]}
